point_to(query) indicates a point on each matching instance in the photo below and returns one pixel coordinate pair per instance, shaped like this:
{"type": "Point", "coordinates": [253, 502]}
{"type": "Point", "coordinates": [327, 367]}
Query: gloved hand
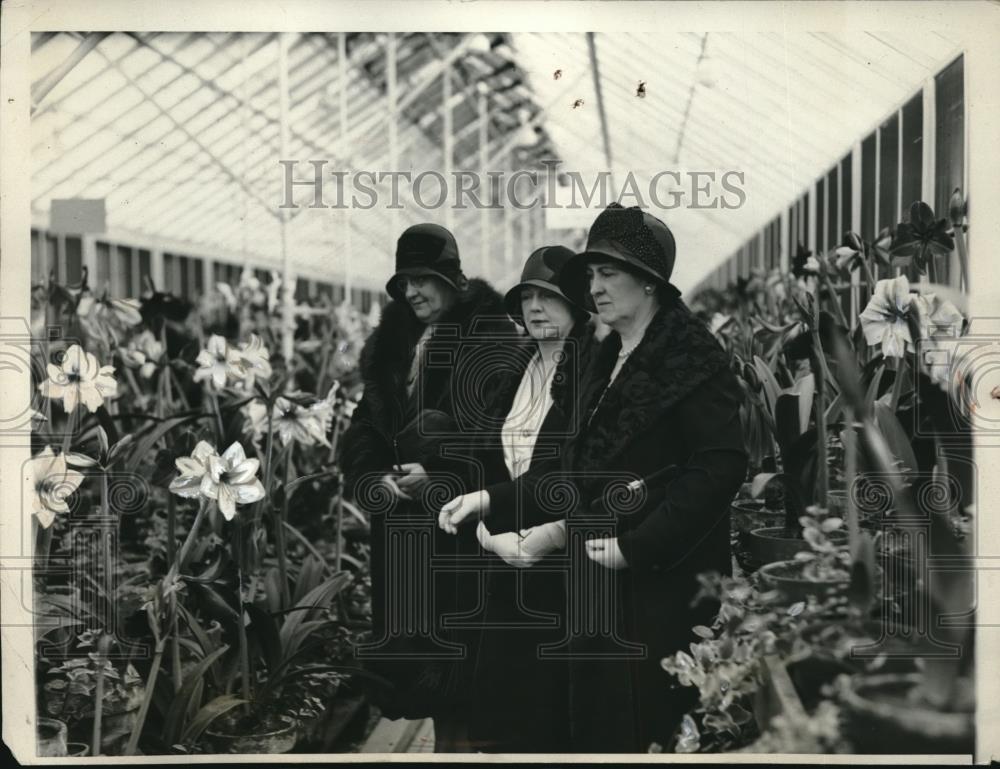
{"type": "Point", "coordinates": [506, 545]}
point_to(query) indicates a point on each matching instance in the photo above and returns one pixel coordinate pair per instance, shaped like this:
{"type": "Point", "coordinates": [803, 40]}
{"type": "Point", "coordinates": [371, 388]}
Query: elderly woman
{"type": "Point", "coordinates": [434, 333]}
{"type": "Point", "coordinates": [659, 411]}
{"type": "Point", "coordinates": [522, 696]}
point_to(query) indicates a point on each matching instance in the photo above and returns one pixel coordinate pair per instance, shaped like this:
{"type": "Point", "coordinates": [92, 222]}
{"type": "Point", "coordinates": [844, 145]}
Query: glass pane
{"type": "Point", "coordinates": [846, 187]}
{"type": "Point", "coordinates": [182, 269]}
{"type": "Point", "coordinates": [949, 153]}
{"type": "Point", "coordinates": [887, 175]}
{"type": "Point", "coordinates": [832, 214]}
{"type": "Point", "coordinates": [103, 267]}
{"type": "Point", "coordinates": [820, 217]}
{"type": "Point", "coordinates": [51, 256]}
{"type": "Point", "coordinates": [197, 266]}
{"type": "Point", "coordinates": [74, 261]}
{"type": "Point", "coordinates": [868, 231]}
{"type": "Point", "coordinates": [913, 158]}
{"type": "Point", "coordinates": [145, 269]}
{"type": "Point", "coordinates": [123, 273]}
{"type": "Point", "coordinates": [37, 258]}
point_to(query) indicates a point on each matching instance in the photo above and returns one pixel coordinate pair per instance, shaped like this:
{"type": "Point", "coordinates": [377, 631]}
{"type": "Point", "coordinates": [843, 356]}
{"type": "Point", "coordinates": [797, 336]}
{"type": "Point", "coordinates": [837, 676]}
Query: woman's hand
{"type": "Point", "coordinates": [506, 545]}
{"type": "Point", "coordinates": [390, 483]}
{"type": "Point", "coordinates": [474, 506]}
{"type": "Point", "coordinates": [413, 479]}
{"type": "Point", "coordinates": [606, 552]}
{"type": "Point", "coordinates": [544, 539]}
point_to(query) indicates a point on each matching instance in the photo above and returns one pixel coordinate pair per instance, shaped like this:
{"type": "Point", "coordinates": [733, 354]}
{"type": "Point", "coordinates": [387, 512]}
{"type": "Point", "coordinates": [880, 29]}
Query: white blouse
{"type": "Point", "coordinates": [524, 420]}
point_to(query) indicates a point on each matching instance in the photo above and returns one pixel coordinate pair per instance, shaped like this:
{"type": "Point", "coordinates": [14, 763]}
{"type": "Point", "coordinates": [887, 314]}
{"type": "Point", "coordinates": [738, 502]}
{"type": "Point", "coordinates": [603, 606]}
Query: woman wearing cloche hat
{"type": "Point", "coordinates": [657, 404]}
{"type": "Point", "coordinates": [415, 365]}
{"type": "Point", "coordinates": [521, 696]}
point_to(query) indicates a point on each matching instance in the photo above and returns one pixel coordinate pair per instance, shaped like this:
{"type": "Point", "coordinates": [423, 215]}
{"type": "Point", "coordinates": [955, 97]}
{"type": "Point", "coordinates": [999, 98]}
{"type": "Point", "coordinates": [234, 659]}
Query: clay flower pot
{"type": "Point", "coordinates": [278, 734]}
{"type": "Point", "coordinates": [50, 737]}
{"type": "Point", "coordinates": [882, 716]}
{"type": "Point", "coordinates": [776, 543]}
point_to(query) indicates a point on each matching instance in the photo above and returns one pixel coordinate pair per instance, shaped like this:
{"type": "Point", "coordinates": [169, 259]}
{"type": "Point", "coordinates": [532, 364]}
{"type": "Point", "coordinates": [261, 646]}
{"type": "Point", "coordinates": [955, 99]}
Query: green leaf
{"type": "Point", "coordinates": [310, 576]}
{"type": "Point", "coordinates": [761, 481]}
{"type": "Point", "coordinates": [211, 711]}
{"type": "Point", "coordinates": [144, 445]}
{"type": "Point", "coordinates": [704, 632]}
{"type": "Point", "coordinates": [182, 701]}
{"type": "Point", "coordinates": [863, 587]}
{"type": "Point", "coordinates": [895, 436]}
{"type": "Point", "coordinates": [319, 597]}
{"type": "Point", "coordinates": [263, 627]}
{"type": "Point", "coordinates": [768, 382]}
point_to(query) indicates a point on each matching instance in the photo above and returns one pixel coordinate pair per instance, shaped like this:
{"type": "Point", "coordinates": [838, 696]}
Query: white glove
{"type": "Point", "coordinates": [506, 545]}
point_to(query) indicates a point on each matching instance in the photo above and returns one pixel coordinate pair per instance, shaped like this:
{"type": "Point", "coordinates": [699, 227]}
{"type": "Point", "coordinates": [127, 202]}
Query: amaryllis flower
{"type": "Point", "coordinates": [882, 247]}
{"type": "Point", "coordinates": [255, 359]}
{"type": "Point", "coordinates": [232, 480]}
{"type": "Point", "coordinates": [299, 423]}
{"type": "Point", "coordinates": [50, 482]}
{"type": "Point", "coordinates": [79, 379]}
{"type": "Point", "coordinates": [143, 352]}
{"type": "Point", "coordinates": [941, 325]}
{"type": "Point", "coordinates": [192, 469]}
{"type": "Point", "coordinates": [108, 319]}
{"type": "Point", "coordinates": [218, 362]}
{"type": "Point", "coordinates": [884, 319]}
{"type": "Point", "coordinates": [921, 238]}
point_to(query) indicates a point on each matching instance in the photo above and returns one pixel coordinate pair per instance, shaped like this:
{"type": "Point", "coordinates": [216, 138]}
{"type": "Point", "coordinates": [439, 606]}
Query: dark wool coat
{"type": "Point", "coordinates": [522, 700]}
{"type": "Point", "coordinates": [675, 402]}
{"type": "Point", "coordinates": [464, 342]}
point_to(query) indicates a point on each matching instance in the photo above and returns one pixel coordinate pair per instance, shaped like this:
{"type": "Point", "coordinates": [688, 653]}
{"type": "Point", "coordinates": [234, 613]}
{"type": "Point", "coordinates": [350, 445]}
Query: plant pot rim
{"type": "Point", "coordinates": [770, 532]}
{"type": "Point", "coordinates": [290, 724]}
{"type": "Point", "coordinates": [925, 719]}
{"type": "Point", "coordinates": [766, 570]}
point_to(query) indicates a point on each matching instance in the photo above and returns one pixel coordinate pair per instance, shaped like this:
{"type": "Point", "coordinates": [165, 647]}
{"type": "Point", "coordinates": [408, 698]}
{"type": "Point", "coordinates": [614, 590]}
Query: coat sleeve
{"type": "Point", "coordinates": [363, 449]}
{"type": "Point", "coordinates": [698, 498]}
{"type": "Point", "coordinates": [519, 503]}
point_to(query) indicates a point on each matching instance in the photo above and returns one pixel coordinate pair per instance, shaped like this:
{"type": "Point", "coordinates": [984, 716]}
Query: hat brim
{"type": "Point", "coordinates": [512, 299]}
{"type": "Point", "coordinates": [573, 279]}
{"type": "Point", "coordinates": [415, 271]}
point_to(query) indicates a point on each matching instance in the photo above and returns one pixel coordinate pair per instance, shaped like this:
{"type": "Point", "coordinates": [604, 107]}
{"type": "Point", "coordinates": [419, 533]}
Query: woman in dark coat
{"type": "Point", "coordinates": [658, 404]}
{"type": "Point", "coordinates": [522, 697]}
{"type": "Point", "coordinates": [429, 345]}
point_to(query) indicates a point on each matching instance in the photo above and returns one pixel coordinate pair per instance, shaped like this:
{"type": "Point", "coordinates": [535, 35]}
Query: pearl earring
{"type": "Point", "coordinates": [649, 289]}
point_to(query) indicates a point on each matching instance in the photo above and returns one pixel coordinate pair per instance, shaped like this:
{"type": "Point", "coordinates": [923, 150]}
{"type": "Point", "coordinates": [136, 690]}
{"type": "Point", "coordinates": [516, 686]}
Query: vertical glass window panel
{"type": "Point", "coordinates": [804, 230]}
{"type": "Point", "coordinates": [846, 200]}
{"type": "Point", "coordinates": [123, 272]}
{"type": "Point", "coordinates": [913, 150]}
{"type": "Point", "coordinates": [184, 287]}
{"type": "Point", "coordinates": [103, 267]}
{"type": "Point", "coordinates": [868, 229]}
{"type": "Point", "coordinates": [197, 266]}
{"type": "Point", "coordinates": [366, 301]}
{"type": "Point", "coordinates": [51, 256]}
{"type": "Point", "coordinates": [820, 216]}
{"type": "Point", "coordinates": [793, 223]}
{"type": "Point", "coordinates": [949, 154]}
{"type": "Point", "coordinates": [301, 290]}
{"type": "Point", "coordinates": [832, 199]}
{"type": "Point", "coordinates": [949, 146]}
{"type": "Point", "coordinates": [37, 258]}
{"type": "Point", "coordinates": [145, 269]}
{"type": "Point", "coordinates": [887, 173]}
{"type": "Point", "coordinates": [74, 260]}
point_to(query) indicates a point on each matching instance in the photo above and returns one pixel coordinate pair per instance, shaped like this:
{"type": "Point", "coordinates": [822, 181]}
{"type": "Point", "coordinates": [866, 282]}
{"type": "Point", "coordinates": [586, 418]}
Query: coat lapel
{"type": "Point", "coordinates": [677, 354]}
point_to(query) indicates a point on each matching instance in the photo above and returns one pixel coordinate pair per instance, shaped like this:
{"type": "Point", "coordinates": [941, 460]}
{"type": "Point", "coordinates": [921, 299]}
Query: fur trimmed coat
{"type": "Point", "coordinates": [464, 344]}
{"type": "Point", "coordinates": [676, 403]}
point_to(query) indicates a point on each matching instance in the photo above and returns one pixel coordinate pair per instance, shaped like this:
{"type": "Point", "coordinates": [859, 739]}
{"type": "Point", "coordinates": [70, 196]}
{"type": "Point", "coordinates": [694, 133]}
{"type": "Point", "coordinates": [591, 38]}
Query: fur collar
{"type": "Point", "coordinates": [386, 356]}
{"type": "Point", "coordinates": [677, 354]}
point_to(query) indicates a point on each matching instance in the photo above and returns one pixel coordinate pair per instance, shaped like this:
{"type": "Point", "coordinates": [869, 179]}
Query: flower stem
{"type": "Point", "coordinates": [218, 417]}
{"type": "Point", "coordinates": [962, 256]}
{"type": "Point", "coordinates": [95, 737]}
{"type": "Point", "coordinates": [140, 721]}
{"type": "Point", "coordinates": [240, 625]}
{"type": "Point", "coordinates": [897, 384]}
{"type": "Point", "coordinates": [822, 482]}
{"type": "Point", "coordinates": [279, 535]}
{"type": "Point", "coordinates": [189, 540]}
{"type": "Point", "coordinates": [850, 474]}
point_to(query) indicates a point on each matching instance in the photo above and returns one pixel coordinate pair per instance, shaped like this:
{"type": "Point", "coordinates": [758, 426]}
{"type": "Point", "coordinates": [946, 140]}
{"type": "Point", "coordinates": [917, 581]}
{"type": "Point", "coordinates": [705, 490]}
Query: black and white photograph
{"type": "Point", "coordinates": [499, 380]}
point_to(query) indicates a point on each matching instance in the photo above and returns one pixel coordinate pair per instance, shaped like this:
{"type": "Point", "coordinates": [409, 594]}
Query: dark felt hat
{"type": "Point", "coordinates": [426, 249]}
{"type": "Point", "coordinates": [542, 269]}
{"type": "Point", "coordinates": [629, 235]}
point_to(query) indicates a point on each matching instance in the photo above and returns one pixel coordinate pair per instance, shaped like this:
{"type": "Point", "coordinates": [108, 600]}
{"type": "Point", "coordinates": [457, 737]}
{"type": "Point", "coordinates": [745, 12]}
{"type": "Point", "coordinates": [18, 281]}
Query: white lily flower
{"type": "Point", "coordinates": [192, 469]}
{"type": "Point", "coordinates": [218, 362]}
{"type": "Point", "coordinates": [232, 480]}
{"type": "Point", "coordinates": [80, 379]}
{"type": "Point", "coordinates": [255, 359]}
{"type": "Point", "coordinates": [50, 482]}
{"type": "Point", "coordinates": [884, 319]}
